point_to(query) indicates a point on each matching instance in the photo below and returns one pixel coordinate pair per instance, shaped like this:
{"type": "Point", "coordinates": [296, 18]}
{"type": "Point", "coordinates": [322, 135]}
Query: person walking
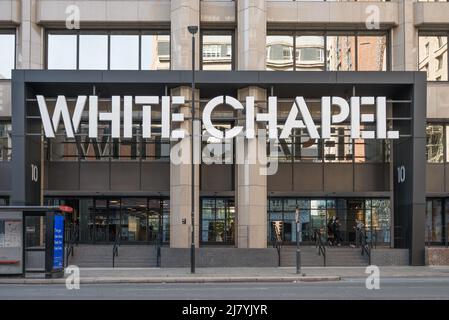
{"type": "Point", "coordinates": [336, 230]}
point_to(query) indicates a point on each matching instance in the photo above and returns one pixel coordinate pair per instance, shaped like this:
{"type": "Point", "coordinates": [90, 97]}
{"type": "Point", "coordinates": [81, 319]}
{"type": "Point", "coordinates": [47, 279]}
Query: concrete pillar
{"type": "Point", "coordinates": [405, 39]}
{"type": "Point", "coordinates": [251, 34]}
{"type": "Point", "coordinates": [251, 186]}
{"type": "Point", "coordinates": [181, 181]}
{"type": "Point", "coordinates": [30, 40]}
{"type": "Point", "coordinates": [184, 13]}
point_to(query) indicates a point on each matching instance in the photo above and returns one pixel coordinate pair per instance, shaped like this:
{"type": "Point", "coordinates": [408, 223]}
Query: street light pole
{"type": "Point", "coordinates": [193, 30]}
{"type": "Point", "coordinates": [298, 235]}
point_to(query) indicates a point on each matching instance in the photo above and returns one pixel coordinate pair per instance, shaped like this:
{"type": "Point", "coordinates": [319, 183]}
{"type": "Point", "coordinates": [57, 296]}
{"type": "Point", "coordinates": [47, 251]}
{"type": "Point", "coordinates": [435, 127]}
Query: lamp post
{"type": "Point", "coordinates": [193, 30]}
{"type": "Point", "coordinates": [298, 236]}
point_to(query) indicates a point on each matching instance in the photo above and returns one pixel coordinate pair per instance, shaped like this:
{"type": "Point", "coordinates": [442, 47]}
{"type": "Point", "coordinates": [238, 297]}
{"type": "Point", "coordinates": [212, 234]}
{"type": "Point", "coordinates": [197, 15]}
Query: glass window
{"type": "Point", "coordinates": [124, 52]}
{"type": "Point", "coordinates": [155, 53]}
{"type": "Point", "coordinates": [93, 52]}
{"type": "Point", "coordinates": [7, 56]}
{"type": "Point", "coordinates": [433, 57]}
{"type": "Point", "coordinates": [371, 53]}
{"type": "Point", "coordinates": [5, 141]}
{"type": "Point", "coordinates": [434, 143]}
{"type": "Point", "coordinates": [434, 222]}
{"type": "Point", "coordinates": [279, 52]}
{"type": "Point", "coordinates": [310, 53]}
{"type": "Point", "coordinates": [217, 220]}
{"type": "Point", "coordinates": [340, 53]}
{"type": "Point", "coordinates": [217, 52]}
{"type": "Point", "coordinates": [62, 51]}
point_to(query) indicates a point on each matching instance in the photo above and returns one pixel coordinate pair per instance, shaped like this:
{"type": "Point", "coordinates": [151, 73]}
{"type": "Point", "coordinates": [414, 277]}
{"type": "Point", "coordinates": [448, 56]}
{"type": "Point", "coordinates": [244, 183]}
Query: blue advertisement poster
{"type": "Point", "coordinates": [58, 245]}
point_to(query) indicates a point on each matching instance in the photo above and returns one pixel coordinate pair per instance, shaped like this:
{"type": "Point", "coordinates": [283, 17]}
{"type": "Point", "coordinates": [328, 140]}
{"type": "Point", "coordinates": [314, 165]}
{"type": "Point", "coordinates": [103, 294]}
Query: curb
{"type": "Point", "coordinates": [104, 280]}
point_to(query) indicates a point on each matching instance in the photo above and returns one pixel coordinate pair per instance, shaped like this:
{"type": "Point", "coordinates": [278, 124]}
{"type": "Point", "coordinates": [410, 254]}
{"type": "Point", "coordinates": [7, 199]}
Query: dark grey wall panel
{"type": "Point", "coordinates": [63, 175]}
{"type": "Point", "coordinates": [446, 178]}
{"type": "Point", "coordinates": [282, 180]}
{"type": "Point", "coordinates": [156, 176]}
{"type": "Point", "coordinates": [371, 177]}
{"type": "Point", "coordinates": [5, 176]}
{"type": "Point", "coordinates": [94, 176]}
{"type": "Point", "coordinates": [338, 177]}
{"type": "Point", "coordinates": [435, 178]}
{"type": "Point", "coordinates": [125, 176]}
{"type": "Point", "coordinates": [220, 257]}
{"type": "Point", "coordinates": [217, 177]}
{"type": "Point", "coordinates": [308, 177]}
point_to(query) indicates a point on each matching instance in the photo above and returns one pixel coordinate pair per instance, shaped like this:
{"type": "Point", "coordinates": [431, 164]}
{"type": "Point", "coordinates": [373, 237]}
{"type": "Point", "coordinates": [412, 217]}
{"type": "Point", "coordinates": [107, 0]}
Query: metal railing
{"type": "Point", "coordinates": [365, 245]}
{"type": "Point", "coordinates": [320, 245]}
{"type": "Point", "coordinates": [115, 249]}
{"type": "Point", "coordinates": [73, 241]}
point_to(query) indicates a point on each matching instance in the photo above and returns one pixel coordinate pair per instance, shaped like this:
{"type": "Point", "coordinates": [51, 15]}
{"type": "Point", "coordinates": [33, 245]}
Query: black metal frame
{"type": "Point", "coordinates": [215, 198]}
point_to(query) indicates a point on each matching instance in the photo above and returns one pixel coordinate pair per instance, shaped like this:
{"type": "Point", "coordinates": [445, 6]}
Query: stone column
{"type": "Point", "coordinates": [183, 13]}
{"type": "Point", "coordinates": [30, 42]}
{"type": "Point", "coordinates": [181, 179]}
{"type": "Point", "coordinates": [405, 39]}
{"type": "Point", "coordinates": [251, 186]}
{"type": "Point", "coordinates": [251, 34]}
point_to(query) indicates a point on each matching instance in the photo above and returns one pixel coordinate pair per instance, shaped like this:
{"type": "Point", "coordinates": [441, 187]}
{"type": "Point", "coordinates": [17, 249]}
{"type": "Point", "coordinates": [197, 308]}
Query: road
{"type": "Point", "coordinates": [390, 288]}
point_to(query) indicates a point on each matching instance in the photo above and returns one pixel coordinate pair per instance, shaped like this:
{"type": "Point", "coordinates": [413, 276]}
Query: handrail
{"type": "Point", "coordinates": [365, 246]}
{"type": "Point", "coordinates": [115, 249]}
{"type": "Point", "coordinates": [73, 240]}
{"type": "Point", "coordinates": [320, 245]}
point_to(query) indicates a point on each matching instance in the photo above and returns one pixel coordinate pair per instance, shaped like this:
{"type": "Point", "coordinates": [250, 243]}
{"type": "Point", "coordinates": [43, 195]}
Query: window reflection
{"type": "Point", "coordinates": [341, 53]}
{"type": "Point", "coordinates": [433, 57]}
{"type": "Point", "coordinates": [434, 143]}
{"type": "Point", "coordinates": [279, 53]}
{"type": "Point", "coordinates": [217, 52]}
{"type": "Point", "coordinates": [316, 214]}
{"type": "Point", "coordinates": [310, 53]}
{"type": "Point", "coordinates": [371, 53]}
{"type": "Point", "coordinates": [5, 141]}
{"type": "Point", "coordinates": [7, 55]}
{"type": "Point", "coordinates": [93, 52]}
{"type": "Point", "coordinates": [155, 52]}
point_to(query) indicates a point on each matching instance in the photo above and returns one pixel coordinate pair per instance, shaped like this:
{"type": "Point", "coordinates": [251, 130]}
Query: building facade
{"type": "Point", "coordinates": [128, 188]}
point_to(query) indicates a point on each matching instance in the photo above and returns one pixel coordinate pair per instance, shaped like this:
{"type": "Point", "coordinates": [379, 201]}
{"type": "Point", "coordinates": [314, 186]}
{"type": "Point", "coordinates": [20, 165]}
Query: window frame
{"type": "Point", "coordinates": [13, 32]}
{"type": "Point", "coordinates": [108, 33]}
{"type": "Point", "coordinates": [437, 33]}
{"type": "Point", "coordinates": [218, 32]}
{"type": "Point", "coordinates": [336, 32]}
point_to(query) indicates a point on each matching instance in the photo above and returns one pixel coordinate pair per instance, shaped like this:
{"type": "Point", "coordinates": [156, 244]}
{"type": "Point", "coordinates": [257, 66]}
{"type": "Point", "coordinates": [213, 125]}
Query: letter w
{"type": "Point", "coordinates": [61, 109]}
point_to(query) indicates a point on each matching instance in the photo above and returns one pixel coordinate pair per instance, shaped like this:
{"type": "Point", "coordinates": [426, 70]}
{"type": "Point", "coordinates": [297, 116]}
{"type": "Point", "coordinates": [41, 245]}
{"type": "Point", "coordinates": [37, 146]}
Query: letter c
{"type": "Point", "coordinates": [210, 106]}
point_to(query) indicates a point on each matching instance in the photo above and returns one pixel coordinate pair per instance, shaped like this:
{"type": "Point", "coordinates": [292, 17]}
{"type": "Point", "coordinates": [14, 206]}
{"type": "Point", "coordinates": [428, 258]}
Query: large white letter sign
{"type": "Point", "coordinates": [293, 123]}
{"type": "Point", "coordinates": [326, 111]}
{"type": "Point", "coordinates": [113, 117]}
{"type": "Point", "coordinates": [210, 106]}
{"type": "Point", "coordinates": [61, 109]}
{"type": "Point", "coordinates": [146, 101]}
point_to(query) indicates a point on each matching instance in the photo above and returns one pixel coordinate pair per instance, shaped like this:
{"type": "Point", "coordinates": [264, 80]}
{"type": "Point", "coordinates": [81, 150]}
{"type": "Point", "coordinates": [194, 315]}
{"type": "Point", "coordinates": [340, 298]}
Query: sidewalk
{"type": "Point", "coordinates": [210, 275]}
